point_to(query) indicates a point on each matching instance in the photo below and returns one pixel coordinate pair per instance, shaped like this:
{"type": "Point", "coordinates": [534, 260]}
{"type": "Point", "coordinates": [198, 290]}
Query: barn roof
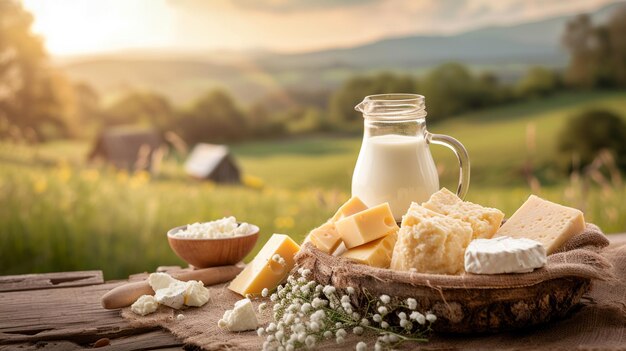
{"type": "Point", "coordinates": [205, 159]}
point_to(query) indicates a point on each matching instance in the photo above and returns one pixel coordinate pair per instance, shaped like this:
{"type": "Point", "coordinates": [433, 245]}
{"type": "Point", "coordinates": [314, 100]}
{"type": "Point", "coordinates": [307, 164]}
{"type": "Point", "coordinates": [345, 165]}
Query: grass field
{"type": "Point", "coordinates": [61, 214]}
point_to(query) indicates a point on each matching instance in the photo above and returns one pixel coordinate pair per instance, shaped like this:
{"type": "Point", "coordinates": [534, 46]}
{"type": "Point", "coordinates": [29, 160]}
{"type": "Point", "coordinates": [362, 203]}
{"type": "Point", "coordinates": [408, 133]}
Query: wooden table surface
{"type": "Point", "coordinates": [61, 311]}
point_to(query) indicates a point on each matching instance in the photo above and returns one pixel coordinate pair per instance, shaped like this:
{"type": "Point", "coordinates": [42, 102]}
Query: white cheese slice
{"type": "Point", "coordinates": [242, 317]}
{"type": "Point", "coordinates": [144, 305]}
{"type": "Point", "coordinates": [196, 294]}
{"type": "Point", "coordinates": [172, 296]}
{"type": "Point", "coordinates": [504, 255]}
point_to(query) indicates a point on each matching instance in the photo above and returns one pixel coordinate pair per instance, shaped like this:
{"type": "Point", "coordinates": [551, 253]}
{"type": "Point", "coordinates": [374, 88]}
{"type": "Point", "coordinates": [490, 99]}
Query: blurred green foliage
{"type": "Point", "coordinates": [590, 132]}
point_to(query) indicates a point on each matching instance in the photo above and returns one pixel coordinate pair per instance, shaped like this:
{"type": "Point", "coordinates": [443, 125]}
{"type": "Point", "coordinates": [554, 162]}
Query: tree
{"type": "Point", "coordinates": [597, 53]}
{"type": "Point", "coordinates": [538, 82]}
{"type": "Point", "coordinates": [141, 108]}
{"type": "Point", "coordinates": [449, 89]}
{"type": "Point", "coordinates": [28, 87]}
{"type": "Point", "coordinates": [355, 89]}
{"type": "Point", "coordinates": [214, 117]}
{"type": "Point", "coordinates": [590, 132]}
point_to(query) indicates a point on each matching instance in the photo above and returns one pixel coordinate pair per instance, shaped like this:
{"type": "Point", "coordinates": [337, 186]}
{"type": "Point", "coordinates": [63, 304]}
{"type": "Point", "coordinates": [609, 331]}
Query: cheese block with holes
{"type": "Point", "coordinates": [325, 237]}
{"type": "Point", "coordinates": [366, 226]}
{"type": "Point", "coordinates": [376, 253]}
{"type": "Point", "coordinates": [544, 221]}
{"type": "Point", "coordinates": [269, 268]}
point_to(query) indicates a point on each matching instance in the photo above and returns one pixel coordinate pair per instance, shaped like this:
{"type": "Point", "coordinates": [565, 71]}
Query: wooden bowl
{"type": "Point", "coordinates": [203, 253]}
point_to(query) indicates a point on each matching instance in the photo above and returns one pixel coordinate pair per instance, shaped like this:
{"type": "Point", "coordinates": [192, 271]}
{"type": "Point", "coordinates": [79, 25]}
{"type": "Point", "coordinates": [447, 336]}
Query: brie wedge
{"type": "Point", "coordinates": [504, 255]}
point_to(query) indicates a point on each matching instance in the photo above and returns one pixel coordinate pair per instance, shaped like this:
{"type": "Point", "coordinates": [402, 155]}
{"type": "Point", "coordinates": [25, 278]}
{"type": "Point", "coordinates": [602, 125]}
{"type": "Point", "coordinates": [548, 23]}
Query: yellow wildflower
{"type": "Point", "coordinates": [253, 182]}
{"type": "Point", "coordinates": [285, 222]}
{"type": "Point", "coordinates": [40, 185]}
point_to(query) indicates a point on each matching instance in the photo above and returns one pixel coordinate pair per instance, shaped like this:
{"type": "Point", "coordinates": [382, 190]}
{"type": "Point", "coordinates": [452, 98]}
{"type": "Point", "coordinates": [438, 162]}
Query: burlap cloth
{"type": "Point", "coordinates": [598, 322]}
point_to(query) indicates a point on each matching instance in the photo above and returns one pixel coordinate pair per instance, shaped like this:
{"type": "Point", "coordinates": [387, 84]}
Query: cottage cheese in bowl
{"type": "Point", "coordinates": [226, 227]}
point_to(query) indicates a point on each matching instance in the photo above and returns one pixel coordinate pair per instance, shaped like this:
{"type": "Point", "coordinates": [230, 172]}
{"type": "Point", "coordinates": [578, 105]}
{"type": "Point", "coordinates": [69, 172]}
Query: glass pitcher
{"type": "Point", "coordinates": [395, 164]}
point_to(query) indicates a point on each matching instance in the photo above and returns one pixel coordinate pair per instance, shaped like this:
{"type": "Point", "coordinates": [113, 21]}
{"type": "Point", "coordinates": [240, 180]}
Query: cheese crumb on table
{"type": "Point", "coordinates": [160, 280]}
{"type": "Point", "coordinates": [504, 255]}
{"type": "Point", "coordinates": [226, 227]}
{"type": "Point", "coordinates": [196, 294]}
{"type": "Point", "coordinates": [144, 305]}
{"type": "Point", "coordinates": [172, 296]}
{"type": "Point", "coordinates": [241, 318]}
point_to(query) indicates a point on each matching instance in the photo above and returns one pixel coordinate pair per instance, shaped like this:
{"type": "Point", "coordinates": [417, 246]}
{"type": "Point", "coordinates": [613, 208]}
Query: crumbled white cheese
{"type": "Point", "coordinates": [172, 296]}
{"type": "Point", "coordinates": [226, 227]}
{"type": "Point", "coordinates": [160, 281]}
{"type": "Point", "coordinates": [240, 318]}
{"type": "Point", "coordinates": [196, 294]}
{"type": "Point", "coordinates": [175, 293]}
{"type": "Point", "coordinates": [144, 305]}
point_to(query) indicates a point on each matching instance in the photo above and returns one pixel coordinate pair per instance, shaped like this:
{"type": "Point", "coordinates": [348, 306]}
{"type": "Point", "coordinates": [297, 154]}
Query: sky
{"type": "Point", "coordinates": [79, 27]}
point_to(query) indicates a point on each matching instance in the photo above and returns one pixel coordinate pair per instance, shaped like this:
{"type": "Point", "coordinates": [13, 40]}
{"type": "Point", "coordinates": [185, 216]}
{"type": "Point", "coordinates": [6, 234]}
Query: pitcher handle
{"type": "Point", "coordinates": [461, 154]}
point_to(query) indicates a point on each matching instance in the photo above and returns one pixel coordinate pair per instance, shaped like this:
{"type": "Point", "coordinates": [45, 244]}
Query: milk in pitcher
{"type": "Point", "coordinates": [397, 169]}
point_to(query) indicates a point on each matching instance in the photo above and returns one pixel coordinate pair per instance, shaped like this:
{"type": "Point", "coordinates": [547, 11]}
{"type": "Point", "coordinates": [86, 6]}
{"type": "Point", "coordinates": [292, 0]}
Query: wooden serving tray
{"type": "Point", "coordinates": [459, 309]}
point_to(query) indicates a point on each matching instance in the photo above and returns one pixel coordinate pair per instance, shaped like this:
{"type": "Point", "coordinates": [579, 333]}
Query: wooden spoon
{"type": "Point", "coordinates": [126, 294]}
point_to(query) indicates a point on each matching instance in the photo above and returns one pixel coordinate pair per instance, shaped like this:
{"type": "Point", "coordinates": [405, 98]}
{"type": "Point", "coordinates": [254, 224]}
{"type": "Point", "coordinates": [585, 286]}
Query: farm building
{"type": "Point", "coordinates": [212, 162]}
{"type": "Point", "coordinates": [129, 149]}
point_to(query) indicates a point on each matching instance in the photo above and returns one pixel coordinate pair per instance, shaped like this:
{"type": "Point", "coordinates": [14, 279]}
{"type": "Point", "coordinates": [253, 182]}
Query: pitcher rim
{"type": "Point", "coordinates": [393, 106]}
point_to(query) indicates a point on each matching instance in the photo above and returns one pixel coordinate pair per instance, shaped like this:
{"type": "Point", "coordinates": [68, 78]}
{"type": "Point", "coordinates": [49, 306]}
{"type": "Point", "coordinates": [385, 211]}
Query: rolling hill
{"type": "Point", "coordinates": [505, 50]}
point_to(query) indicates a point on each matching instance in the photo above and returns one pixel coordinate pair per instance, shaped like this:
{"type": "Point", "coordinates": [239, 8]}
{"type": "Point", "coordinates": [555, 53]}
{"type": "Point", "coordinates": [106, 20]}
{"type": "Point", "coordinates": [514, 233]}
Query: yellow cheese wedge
{"type": "Point", "coordinates": [269, 268]}
{"type": "Point", "coordinates": [544, 221]}
{"type": "Point", "coordinates": [352, 206]}
{"type": "Point", "coordinates": [325, 237]}
{"type": "Point", "coordinates": [376, 253]}
{"type": "Point", "coordinates": [366, 226]}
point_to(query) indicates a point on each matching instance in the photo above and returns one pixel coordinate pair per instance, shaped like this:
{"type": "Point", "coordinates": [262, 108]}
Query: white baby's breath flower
{"type": "Point", "coordinates": [382, 310]}
{"type": "Point", "coordinates": [345, 298]}
{"type": "Point", "coordinates": [338, 325]}
{"type": "Point", "coordinates": [271, 327]}
{"type": "Point", "coordinates": [310, 341]}
{"type": "Point", "coordinates": [290, 347]}
{"type": "Point", "coordinates": [350, 290]}
{"type": "Point", "coordinates": [314, 327]}
{"type": "Point", "coordinates": [301, 336]}
{"type": "Point", "coordinates": [404, 323]}
{"type": "Point", "coordinates": [306, 307]}
{"type": "Point", "coordinates": [420, 319]}
{"type": "Point", "coordinates": [329, 290]}
{"type": "Point", "coordinates": [262, 307]}
{"type": "Point", "coordinates": [378, 347]}
{"type": "Point", "coordinates": [384, 325]}
{"type": "Point", "coordinates": [361, 346]}
{"type": "Point", "coordinates": [274, 297]}
{"type": "Point", "coordinates": [365, 322]}
{"type": "Point", "coordinates": [341, 333]}
{"type": "Point", "coordinates": [265, 292]}
{"type": "Point", "coordinates": [411, 303]}
{"type": "Point", "coordinates": [385, 299]}
{"type": "Point", "coordinates": [328, 334]}
{"type": "Point", "coordinates": [357, 330]}
{"type": "Point", "coordinates": [339, 340]}
{"type": "Point", "coordinates": [279, 335]}
{"type": "Point", "coordinates": [377, 318]}
{"type": "Point", "coordinates": [305, 272]}
{"type": "Point", "coordinates": [431, 317]}
{"type": "Point", "coordinates": [260, 331]}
